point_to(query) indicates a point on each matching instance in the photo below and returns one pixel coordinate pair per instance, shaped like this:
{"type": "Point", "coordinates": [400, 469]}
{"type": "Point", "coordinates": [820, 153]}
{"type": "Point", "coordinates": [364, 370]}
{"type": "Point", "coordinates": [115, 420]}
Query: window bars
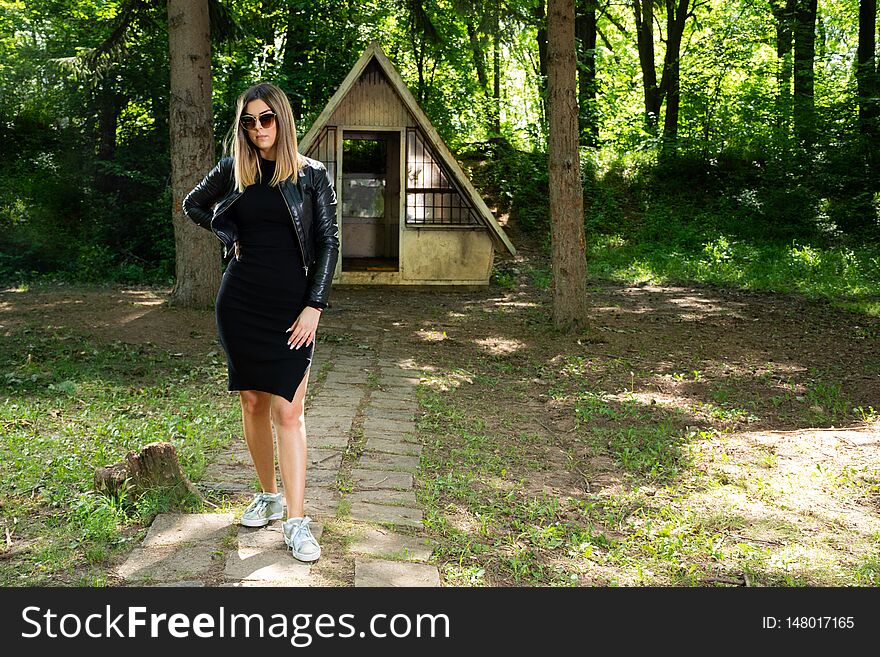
{"type": "Point", "coordinates": [432, 198]}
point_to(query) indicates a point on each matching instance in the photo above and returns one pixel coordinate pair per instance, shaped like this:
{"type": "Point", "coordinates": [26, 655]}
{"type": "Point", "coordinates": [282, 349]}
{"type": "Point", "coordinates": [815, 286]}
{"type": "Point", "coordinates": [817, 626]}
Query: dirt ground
{"type": "Point", "coordinates": [738, 334]}
{"type": "Point", "coordinates": [776, 383]}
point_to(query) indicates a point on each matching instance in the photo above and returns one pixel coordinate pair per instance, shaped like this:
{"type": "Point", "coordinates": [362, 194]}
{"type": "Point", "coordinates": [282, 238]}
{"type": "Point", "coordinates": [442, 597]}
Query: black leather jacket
{"type": "Point", "coordinates": [312, 205]}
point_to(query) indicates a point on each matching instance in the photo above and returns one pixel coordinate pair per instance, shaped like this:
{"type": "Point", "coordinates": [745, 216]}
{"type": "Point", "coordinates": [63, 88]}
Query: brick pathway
{"type": "Point", "coordinates": [363, 455]}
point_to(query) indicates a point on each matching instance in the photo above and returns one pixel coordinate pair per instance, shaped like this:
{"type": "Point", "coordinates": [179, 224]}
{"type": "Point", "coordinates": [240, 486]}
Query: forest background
{"type": "Point", "coordinates": [723, 142]}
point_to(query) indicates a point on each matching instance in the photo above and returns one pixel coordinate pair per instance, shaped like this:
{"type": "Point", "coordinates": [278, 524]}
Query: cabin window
{"type": "Point", "coordinates": [432, 198]}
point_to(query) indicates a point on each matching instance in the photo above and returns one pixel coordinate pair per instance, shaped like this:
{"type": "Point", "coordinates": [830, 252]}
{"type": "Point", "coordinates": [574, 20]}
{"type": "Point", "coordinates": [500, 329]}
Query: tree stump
{"type": "Point", "coordinates": [154, 468]}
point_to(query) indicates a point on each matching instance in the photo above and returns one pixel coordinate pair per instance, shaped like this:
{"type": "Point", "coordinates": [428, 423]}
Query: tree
{"type": "Point", "coordinates": [424, 37]}
{"type": "Point", "coordinates": [784, 12]}
{"type": "Point", "coordinates": [677, 13]}
{"type": "Point", "coordinates": [496, 69]}
{"type": "Point", "coordinates": [539, 17]}
{"type": "Point", "coordinates": [585, 28]}
{"type": "Point", "coordinates": [481, 18]}
{"type": "Point", "coordinates": [868, 72]}
{"type": "Point", "coordinates": [804, 56]}
{"type": "Point", "coordinates": [192, 149]}
{"type": "Point", "coordinates": [568, 246]}
{"type": "Point", "coordinates": [644, 15]}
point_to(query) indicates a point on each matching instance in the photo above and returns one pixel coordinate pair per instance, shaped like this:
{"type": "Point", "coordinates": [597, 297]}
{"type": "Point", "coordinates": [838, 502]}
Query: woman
{"type": "Point", "coordinates": [276, 210]}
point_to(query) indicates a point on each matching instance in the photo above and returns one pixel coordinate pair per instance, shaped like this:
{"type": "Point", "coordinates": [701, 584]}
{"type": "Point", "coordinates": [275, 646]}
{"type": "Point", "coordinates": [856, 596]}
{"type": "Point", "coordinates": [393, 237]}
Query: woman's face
{"type": "Point", "coordinates": [262, 138]}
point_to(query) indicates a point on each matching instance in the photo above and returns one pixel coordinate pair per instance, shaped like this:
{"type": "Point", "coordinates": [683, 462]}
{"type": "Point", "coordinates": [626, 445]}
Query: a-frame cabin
{"type": "Point", "coordinates": [408, 215]}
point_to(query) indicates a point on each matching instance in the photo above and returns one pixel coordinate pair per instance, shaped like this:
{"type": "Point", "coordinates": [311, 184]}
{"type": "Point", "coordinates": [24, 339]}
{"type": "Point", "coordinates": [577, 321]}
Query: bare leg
{"type": "Point", "coordinates": [255, 415]}
{"type": "Point", "coordinates": [289, 421]}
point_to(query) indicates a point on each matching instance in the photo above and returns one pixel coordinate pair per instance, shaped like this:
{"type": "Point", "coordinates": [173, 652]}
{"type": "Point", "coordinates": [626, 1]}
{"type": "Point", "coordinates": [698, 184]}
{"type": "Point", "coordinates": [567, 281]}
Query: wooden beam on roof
{"type": "Point", "coordinates": [306, 142]}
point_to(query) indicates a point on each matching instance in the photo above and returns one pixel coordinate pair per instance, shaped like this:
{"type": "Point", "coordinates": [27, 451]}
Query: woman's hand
{"type": "Point", "coordinates": [302, 332]}
{"type": "Point", "coordinates": [237, 250]}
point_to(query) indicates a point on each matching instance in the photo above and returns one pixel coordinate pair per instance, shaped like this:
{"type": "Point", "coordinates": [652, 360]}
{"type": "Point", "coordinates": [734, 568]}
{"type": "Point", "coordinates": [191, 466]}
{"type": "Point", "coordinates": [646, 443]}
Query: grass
{"type": "Point", "coordinates": [671, 243]}
{"type": "Point", "coordinates": [727, 222]}
{"type": "Point", "coordinates": [634, 493]}
{"type": "Point", "coordinates": [69, 405]}
{"type": "Point", "coordinates": [847, 275]}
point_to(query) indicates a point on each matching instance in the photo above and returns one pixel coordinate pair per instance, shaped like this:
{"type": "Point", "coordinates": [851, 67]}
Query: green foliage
{"type": "Point", "coordinates": [98, 516]}
{"type": "Point", "coordinates": [726, 222]}
{"type": "Point", "coordinates": [737, 204]}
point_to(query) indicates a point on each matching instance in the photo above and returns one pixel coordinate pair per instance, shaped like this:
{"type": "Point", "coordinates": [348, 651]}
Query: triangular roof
{"type": "Point", "coordinates": [374, 50]}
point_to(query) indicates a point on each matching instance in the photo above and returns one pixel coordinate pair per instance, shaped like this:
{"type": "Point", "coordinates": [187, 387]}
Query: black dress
{"type": "Point", "coordinates": [262, 294]}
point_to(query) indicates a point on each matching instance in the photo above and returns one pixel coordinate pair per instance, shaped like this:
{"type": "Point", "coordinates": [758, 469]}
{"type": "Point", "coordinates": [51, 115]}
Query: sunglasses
{"type": "Point", "coordinates": [248, 122]}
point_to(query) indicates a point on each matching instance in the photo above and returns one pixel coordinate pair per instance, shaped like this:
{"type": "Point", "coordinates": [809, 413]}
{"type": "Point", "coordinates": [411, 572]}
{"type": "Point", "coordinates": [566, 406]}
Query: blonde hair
{"type": "Point", "coordinates": [288, 161]}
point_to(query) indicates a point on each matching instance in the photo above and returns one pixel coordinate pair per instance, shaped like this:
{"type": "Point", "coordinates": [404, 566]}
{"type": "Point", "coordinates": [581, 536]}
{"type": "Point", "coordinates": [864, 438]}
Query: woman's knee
{"type": "Point", "coordinates": [254, 402]}
{"type": "Point", "coordinates": [286, 414]}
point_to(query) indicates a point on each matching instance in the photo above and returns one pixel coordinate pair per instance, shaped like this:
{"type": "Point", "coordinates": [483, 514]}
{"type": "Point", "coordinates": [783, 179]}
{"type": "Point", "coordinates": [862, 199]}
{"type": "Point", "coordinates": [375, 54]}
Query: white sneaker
{"type": "Point", "coordinates": [265, 508]}
{"type": "Point", "coordinates": [299, 539]}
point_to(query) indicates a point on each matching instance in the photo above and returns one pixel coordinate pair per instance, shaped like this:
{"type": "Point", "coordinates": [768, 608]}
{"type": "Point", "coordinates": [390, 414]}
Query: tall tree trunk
{"type": "Point", "coordinates": [291, 60]}
{"type": "Point", "coordinates": [422, 34]}
{"type": "Point", "coordinates": [676, 15]}
{"type": "Point", "coordinates": [585, 31]}
{"type": "Point", "coordinates": [159, 111]}
{"type": "Point", "coordinates": [804, 55]}
{"type": "Point", "coordinates": [566, 190]}
{"type": "Point", "coordinates": [110, 104]}
{"type": "Point", "coordinates": [867, 72]}
{"type": "Point", "coordinates": [540, 16]}
{"type": "Point", "coordinates": [496, 79]}
{"type": "Point", "coordinates": [868, 78]}
{"type": "Point", "coordinates": [478, 56]}
{"type": "Point", "coordinates": [784, 11]}
{"type": "Point", "coordinates": [419, 51]}
{"type": "Point", "coordinates": [192, 149]}
{"type": "Point", "coordinates": [644, 14]}
{"type": "Point", "coordinates": [479, 59]}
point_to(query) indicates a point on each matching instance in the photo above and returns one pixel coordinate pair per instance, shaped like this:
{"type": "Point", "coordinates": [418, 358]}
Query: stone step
{"type": "Point", "coordinates": [372, 479]}
{"type": "Point", "coordinates": [384, 461]}
{"type": "Point", "coordinates": [333, 411]}
{"type": "Point", "coordinates": [394, 370]}
{"type": "Point", "coordinates": [389, 414]}
{"type": "Point", "coordinates": [182, 528]}
{"type": "Point", "coordinates": [324, 459]}
{"type": "Point", "coordinates": [329, 440]}
{"type": "Point", "coordinates": [346, 404]}
{"type": "Point", "coordinates": [390, 427]}
{"type": "Point", "coordinates": [316, 477]}
{"type": "Point", "coordinates": [384, 435]}
{"type": "Point", "coordinates": [257, 564]}
{"type": "Point", "coordinates": [392, 446]}
{"type": "Point", "coordinates": [321, 506]}
{"type": "Point", "coordinates": [388, 381]}
{"type": "Point", "coordinates": [385, 496]}
{"type": "Point", "coordinates": [395, 515]}
{"type": "Point", "coordinates": [386, 544]}
{"type": "Point", "coordinates": [169, 563]}
{"type": "Point", "coordinates": [374, 572]}
{"type": "Point", "coordinates": [340, 380]}
{"type": "Point", "coordinates": [381, 399]}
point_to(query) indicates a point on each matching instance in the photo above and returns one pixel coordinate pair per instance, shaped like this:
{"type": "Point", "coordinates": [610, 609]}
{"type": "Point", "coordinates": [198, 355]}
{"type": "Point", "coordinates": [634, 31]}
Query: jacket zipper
{"type": "Point", "coordinates": [302, 252]}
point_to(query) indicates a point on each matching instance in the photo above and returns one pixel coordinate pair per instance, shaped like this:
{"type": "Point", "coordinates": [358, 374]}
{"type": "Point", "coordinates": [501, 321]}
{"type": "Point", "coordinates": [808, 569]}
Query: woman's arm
{"type": "Point", "coordinates": [326, 234]}
{"type": "Point", "coordinates": [198, 203]}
